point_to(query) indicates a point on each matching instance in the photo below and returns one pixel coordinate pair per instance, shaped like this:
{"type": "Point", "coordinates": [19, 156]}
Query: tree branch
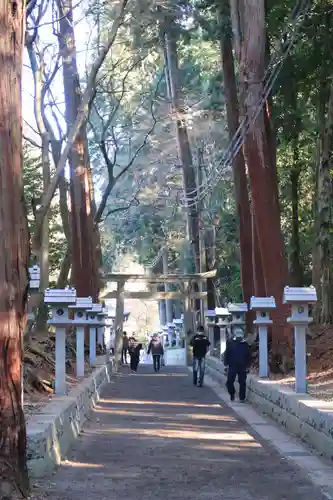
{"type": "Point", "coordinates": [80, 120]}
{"type": "Point", "coordinates": [133, 202]}
{"type": "Point", "coordinates": [114, 179]}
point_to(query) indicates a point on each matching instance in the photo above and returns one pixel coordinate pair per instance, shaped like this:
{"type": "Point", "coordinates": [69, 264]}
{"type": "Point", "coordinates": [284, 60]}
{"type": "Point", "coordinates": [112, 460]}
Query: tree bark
{"type": "Point", "coordinates": [249, 27]}
{"type": "Point", "coordinates": [324, 216]}
{"type": "Point", "coordinates": [184, 148]}
{"type": "Point", "coordinates": [210, 240]}
{"type": "Point", "coordinates": [322, 258]}
{"type": "Point", "coordinates": [14, 255]}
{"type": "Point", "coordinates": [258, 276]}
{"type": "Point", "coordinates": [39, 111]}
{"type": "Point", "coordinates": [80, 120]}
{"type": "Point", "coordinates": [239, 171]}
{"type": "Point", "coordinates": [84, 265]}
{"type": "Point", "coordinates": [296, 270]}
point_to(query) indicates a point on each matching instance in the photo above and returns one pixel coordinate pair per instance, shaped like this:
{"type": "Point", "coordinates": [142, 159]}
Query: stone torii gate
{"type": "Point", "coordinates": [186, 294]}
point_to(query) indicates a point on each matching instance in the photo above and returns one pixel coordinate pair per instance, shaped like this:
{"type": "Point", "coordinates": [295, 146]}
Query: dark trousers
{"type": "Point", "coordinates": [241, 375]}
{"type": "Point", "coordinates": [134, 362]}
{"type": "Point", "coordinates": [124, 353]}
{"type": "Point", "coordinates": [199, 365]}
{"type": "Point", "coordinates": [157, 362]}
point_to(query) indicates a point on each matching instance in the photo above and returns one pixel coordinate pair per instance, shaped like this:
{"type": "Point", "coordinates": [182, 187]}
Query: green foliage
{"type": "Point", "coordinates": [33, 190]}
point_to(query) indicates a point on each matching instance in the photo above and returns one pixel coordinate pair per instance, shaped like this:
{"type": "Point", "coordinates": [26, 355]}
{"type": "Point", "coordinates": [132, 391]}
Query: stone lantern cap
{"type": "Point", "coordinates": [92, 317]}
{"type": "Point", "coordinates": [210, 313]}
{"type": "Point", "coordinates": [170, 325]}
{"type": "Point", "coordinates": [237, 312]}
{"type": "Point", "coordinates": [237, 308]}
{"type": "Point", "coordinates": [299, 295]}
{"type": "Point", "coordinates": [82, 303]}
{"type": "Point", "coordinates": [299, 298]}
{"type": "Point", "coordinates": [96, 308]}
{"type": "Point", "coordinates": [34, 277]}
{"type": "Point", "coordinates": [60, 296]}
{"type": "Point", "coordinates": [103, 312]}
{"type": "Point", "coordinates": [262, 303]}
{"type": "Point", "coordinates": [222, 311]}
{"type": "Point", "coordinates": [262, 306]}
{"type": "Point", "coordinates": [178, 321]}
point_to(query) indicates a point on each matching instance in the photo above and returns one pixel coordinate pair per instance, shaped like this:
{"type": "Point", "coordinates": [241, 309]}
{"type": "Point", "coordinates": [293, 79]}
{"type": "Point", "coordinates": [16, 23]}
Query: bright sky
{"type": "Point", "coordinates": [83, 32]}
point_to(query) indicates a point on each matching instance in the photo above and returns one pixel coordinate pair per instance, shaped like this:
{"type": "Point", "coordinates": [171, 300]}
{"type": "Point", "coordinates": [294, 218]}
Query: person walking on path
{"type": "Point", "coordinates": [237, 359]}
{"type": "Point", "coordinates": [200, 344]}
{"type": "Point", "coordinates": [156, 349]}
{"type": "Point", "coordinates": [124, 351]}
{"type": "Point", "coordinates": [134, 348]}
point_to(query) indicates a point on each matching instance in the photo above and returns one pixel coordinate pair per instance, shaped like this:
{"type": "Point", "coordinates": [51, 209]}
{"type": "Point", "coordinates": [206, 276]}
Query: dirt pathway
{"type": "Point", "coordinates": [159, 437]}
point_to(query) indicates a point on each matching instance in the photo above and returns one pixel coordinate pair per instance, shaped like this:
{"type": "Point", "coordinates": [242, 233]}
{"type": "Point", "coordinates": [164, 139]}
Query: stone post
{"type": "Point", "coordinates": [300, 298]}
{"type": "Point", "coordinates": [60, 300]}
{"type": "Point", "coordinates": [94, 323]}
{"type": "Point", "coordinates": [80, 321]}
{"type": "Point", "coordinates": [223, 314]}
{"type": "Point", "coordinates": [262, 306]}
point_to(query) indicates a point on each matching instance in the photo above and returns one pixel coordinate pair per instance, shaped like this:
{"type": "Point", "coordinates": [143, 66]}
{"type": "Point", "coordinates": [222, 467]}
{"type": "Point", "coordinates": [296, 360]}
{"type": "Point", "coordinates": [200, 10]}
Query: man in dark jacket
{"type": "Point", "coordinates": [125, 348]}
{"type": "Point", "coordinates": [200, 344]}
{"type": "Point", "coordinates": [156, 349]}
{"type": "Point", "coordinates": [134, 348]}
{"type": "Point", "coordinates": [237, 357]}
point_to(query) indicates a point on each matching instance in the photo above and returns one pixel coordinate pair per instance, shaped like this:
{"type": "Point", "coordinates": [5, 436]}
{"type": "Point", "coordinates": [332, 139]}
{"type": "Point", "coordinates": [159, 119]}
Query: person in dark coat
{"type": "Point", "coordinates": [237, 357]}
{"type": "Point", "coordinates": [125, 349]}
{"type": "Point", "coordinates": [156, 349]}
{"type": "Point", "coordinates": [200, 344]}
{"type": "Point", "coordinates": [134, 348]}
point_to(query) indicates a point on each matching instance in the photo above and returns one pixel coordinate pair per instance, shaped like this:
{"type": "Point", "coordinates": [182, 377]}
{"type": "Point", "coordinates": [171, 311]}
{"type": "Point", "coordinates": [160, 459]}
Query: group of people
{"type": "Point", "coordinates": [132, 348]}
{"type": "Point", "coordinates": [237, 358]}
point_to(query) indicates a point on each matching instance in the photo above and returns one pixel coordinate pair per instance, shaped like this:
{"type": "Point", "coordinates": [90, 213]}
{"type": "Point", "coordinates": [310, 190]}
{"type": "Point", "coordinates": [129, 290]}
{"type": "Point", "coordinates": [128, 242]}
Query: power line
{"type": "Point", "coordinates": [270, 77]}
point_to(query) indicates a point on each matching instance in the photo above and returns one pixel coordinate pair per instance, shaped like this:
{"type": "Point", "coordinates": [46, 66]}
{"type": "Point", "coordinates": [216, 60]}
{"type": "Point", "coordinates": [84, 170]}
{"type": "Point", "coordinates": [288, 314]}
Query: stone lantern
{"type": "Point", "coordinates": [300, 298]}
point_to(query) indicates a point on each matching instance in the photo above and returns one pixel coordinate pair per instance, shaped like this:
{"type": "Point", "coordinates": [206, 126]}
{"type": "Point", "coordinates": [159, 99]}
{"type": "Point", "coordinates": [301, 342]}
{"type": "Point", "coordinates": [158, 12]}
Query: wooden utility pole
{"type": "Point", "coordinates": [202, 245]}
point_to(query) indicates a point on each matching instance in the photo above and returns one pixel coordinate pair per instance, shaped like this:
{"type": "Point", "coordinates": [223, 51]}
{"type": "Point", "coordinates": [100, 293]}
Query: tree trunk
{"type": "Point", "coordinates": [324, 216]}
{"type": "Point", "coordinates": [14, 256]}
{"type": "Point", "coordinates": [184, 148]}
{"type": "Point", "coordinates": [39, 111]}
{"type": "Point", "coordinates": [210, 240]}
{"type": "Point", "coordinates": [322, 208]}
{"type": "Point", "coordinates": [249, 27]}
{"type": "Point", "coordinates": [258, 276]}
{"type": "Point", "coordinates": [296, 270]}
{"type": "Point", "coordinates": [65, 266]}
{"type": "Point", "coordinates": [239, 171]}
{"type": "Point", "coordinates": [84, 265]}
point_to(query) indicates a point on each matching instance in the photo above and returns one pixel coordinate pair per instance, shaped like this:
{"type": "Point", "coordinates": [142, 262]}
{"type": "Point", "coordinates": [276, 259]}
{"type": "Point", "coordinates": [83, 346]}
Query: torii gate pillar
{"type": "Point", "coordinates": [119, 322]}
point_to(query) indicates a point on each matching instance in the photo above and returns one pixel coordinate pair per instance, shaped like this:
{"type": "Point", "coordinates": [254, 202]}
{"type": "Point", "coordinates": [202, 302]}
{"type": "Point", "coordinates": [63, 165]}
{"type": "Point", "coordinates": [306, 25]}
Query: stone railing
{"type": "Point", "coordinates": [234, 323]}
{"type": "Point", "coordinates": [304, 416]}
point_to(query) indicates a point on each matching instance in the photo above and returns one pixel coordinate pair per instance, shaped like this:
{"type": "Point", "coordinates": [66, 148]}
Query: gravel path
{"type": "Point", "coordinates": [159, 437]}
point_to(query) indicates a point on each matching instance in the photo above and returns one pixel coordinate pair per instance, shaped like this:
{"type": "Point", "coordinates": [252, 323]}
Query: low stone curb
{"type": "Point", "coordinates": [308, 418]}
{"type": "Point", "coordinates": [51, 432]}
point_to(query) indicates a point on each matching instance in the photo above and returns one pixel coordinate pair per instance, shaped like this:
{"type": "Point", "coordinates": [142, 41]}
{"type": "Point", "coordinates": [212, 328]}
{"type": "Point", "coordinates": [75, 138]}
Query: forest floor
{"type": "Point", "coordinates": [39, 370]}
{"type": "Point", "coordinates": [320, 364]}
